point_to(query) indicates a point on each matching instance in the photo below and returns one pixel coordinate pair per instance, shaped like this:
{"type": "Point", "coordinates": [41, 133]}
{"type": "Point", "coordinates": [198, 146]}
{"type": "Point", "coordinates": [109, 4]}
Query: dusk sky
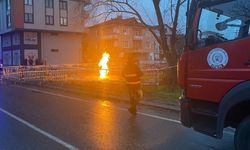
{"type": "Point", "coordinates": [146, 9]}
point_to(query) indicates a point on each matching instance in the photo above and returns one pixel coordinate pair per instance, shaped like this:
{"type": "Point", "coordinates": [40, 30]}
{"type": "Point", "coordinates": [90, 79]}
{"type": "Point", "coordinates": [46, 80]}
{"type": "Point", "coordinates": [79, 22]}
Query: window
{"type": "Point", "coordinates": [63, 13]}
{"type": "Point", "coordinates": [49, 20]}
{"type": "Point", "coordinates": [227, 21]}
{"type": "Point", "coordinates": [7, 59]}
{"type": "Point", "coordinates": [125, 31]}
{"type": "Point", "coordinates": [147, 45]}
{"type": "Point", "coordinates": [137, 32]}
{"type": "Point", "coordinates": [125, 44]}
{"type": "Point", "coordinates": [16, 39]}
{"type": "Point", "coordinates": [108, 31]}
{"type": "Point", "coordinates": [8, 5]}
{"type": "Point", "coordinates": [116, 30]}
{"type": "Point", "coordinates": [49, 3]}
{"type": "Point", "coordinates": [63, 21]}
{"type": "Point", "coordinates": [63, 5]}
{"type": "Point", "coordinates": [8, 20]}
{"type": "Point", "coordinates": [137, 44]}
{"type": "Point", "coordinates": [16, 57]}
{"type": "Point", "coordinates": [97, 33]}
{"type": "Point", "coordinates": [28, 18]}
{"type": "Point", "coordinates": [30, 38]}
{"type": "Point", "coordinates": [156, 46]}
{"type": "Point", "coordinates": [28, 2]}
{"type": "Point", "coordinates": [8, 14]}
{"type": "Point", "coordinates": [6, 41]}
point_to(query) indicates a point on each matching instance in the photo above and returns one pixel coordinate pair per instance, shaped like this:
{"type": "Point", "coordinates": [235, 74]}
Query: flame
{"type": "Point", "coordinates": [103, 64]}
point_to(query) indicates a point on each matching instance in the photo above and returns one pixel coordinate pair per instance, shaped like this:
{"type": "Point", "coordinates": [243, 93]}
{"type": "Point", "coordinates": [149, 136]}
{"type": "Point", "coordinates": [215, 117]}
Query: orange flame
{"type": "Point", "coordinates": [104, 66]}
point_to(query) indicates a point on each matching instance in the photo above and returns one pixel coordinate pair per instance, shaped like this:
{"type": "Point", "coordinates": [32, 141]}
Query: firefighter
{"type": "Point", "coordinates": [132, 74]}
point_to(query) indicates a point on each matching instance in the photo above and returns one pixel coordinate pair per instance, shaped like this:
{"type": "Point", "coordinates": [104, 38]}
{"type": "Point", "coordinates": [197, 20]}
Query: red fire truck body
{"type": "Point", "coordinates": [214, 69]}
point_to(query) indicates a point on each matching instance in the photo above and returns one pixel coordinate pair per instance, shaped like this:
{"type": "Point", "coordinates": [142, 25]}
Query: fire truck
{"type": "Point", "coordinates": [214, 69]}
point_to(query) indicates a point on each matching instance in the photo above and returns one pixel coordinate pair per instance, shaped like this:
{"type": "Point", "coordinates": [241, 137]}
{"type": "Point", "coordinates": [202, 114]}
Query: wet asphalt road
{"type": "Point", "coordinates": [41, 120]}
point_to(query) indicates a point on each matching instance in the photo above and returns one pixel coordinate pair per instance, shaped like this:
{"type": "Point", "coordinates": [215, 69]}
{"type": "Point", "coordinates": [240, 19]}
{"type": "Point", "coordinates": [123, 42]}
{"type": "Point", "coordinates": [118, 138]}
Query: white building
{"type": "Point", "coordinates": [40, 31]}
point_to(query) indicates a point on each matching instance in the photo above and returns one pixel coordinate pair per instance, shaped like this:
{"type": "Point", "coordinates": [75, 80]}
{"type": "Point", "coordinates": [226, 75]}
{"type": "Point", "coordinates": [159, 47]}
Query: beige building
{"type": "Point", "coordinates": [40, 31]}
{"type": "Point", "coordinates": [119, 36]}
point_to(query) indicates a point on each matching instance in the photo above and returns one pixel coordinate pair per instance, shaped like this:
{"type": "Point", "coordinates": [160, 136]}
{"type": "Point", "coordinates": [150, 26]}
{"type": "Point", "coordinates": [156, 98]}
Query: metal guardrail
{"type": "Point", "coordinates": [71, 72]}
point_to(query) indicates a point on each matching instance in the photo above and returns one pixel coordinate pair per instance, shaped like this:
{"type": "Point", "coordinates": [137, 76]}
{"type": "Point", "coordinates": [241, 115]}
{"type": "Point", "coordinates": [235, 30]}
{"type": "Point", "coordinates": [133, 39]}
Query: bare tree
{"type": "Point", "coordinates": [128, 7]}
{"type": "Point", "coordinates": [81, 10]}
{"type": "Point", "coordinates": [169, 49]}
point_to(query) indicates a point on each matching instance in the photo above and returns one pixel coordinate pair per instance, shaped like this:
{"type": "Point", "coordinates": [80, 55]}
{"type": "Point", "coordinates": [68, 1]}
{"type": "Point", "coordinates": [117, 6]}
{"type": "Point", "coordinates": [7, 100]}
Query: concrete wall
{"type": "Point", "coordinates": [61, 48]}
{"type": "Point", "coordinates": [74, 20]}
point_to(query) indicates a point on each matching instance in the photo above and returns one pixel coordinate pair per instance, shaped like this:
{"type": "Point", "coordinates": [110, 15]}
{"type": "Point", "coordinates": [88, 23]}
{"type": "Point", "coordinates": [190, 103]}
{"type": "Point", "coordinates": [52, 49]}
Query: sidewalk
{"type": "Point", "coordinates": [110, 90]}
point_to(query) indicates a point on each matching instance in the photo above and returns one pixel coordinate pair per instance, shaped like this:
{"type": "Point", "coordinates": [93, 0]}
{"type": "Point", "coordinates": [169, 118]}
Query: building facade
{"type": "Point", "coordinates": [40, 31]}
{"type": "Point", "coordinates": [119, 36]}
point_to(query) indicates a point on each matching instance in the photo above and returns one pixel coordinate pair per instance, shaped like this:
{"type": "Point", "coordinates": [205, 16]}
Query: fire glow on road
{"type": "Point", "coordinates": [103, 64]}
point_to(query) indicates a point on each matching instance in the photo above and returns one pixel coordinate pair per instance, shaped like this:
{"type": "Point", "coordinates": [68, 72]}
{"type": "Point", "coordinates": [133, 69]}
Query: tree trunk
{"type": "Point", "coordinates": [170, 54]}
{"type": "Point", "coordinates": [163, 37]}
{"type": "Point", "coordinates": [170, 79]}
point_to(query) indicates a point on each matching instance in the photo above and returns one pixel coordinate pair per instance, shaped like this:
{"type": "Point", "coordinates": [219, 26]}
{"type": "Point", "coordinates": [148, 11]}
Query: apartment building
{"type": "Point", "coordinates": [119, 36]}
{"type": "Point", "coordinates": [40, 31]}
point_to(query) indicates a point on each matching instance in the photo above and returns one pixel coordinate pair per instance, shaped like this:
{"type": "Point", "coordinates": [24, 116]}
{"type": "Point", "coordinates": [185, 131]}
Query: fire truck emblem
{"type": "Point", "coordinates": [217, 58]}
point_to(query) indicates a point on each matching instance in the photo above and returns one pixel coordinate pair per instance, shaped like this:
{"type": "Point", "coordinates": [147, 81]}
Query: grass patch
{"type": "Point", "coordinates": [163, 91]}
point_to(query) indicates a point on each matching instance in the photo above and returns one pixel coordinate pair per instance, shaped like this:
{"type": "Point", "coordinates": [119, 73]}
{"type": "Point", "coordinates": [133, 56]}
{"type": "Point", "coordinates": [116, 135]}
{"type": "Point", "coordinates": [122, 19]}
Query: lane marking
{"type": "Point", "coordinates": [48, 135]}
{"type": "Point", "coordinates": [123, 109]}
{"type": "Point", "coordinates": [159, 117]}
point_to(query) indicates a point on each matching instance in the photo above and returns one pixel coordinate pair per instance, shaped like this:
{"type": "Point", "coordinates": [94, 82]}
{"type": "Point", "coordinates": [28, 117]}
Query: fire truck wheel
{"type": "Point", "coordinates": [242, 135]}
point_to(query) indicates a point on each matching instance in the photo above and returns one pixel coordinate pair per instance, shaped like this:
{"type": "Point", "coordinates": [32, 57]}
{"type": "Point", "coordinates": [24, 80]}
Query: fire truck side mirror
{"type": "Point", "coordinates": [221, 26]}
{"type": "Point", "coordinates": [190, 39]}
